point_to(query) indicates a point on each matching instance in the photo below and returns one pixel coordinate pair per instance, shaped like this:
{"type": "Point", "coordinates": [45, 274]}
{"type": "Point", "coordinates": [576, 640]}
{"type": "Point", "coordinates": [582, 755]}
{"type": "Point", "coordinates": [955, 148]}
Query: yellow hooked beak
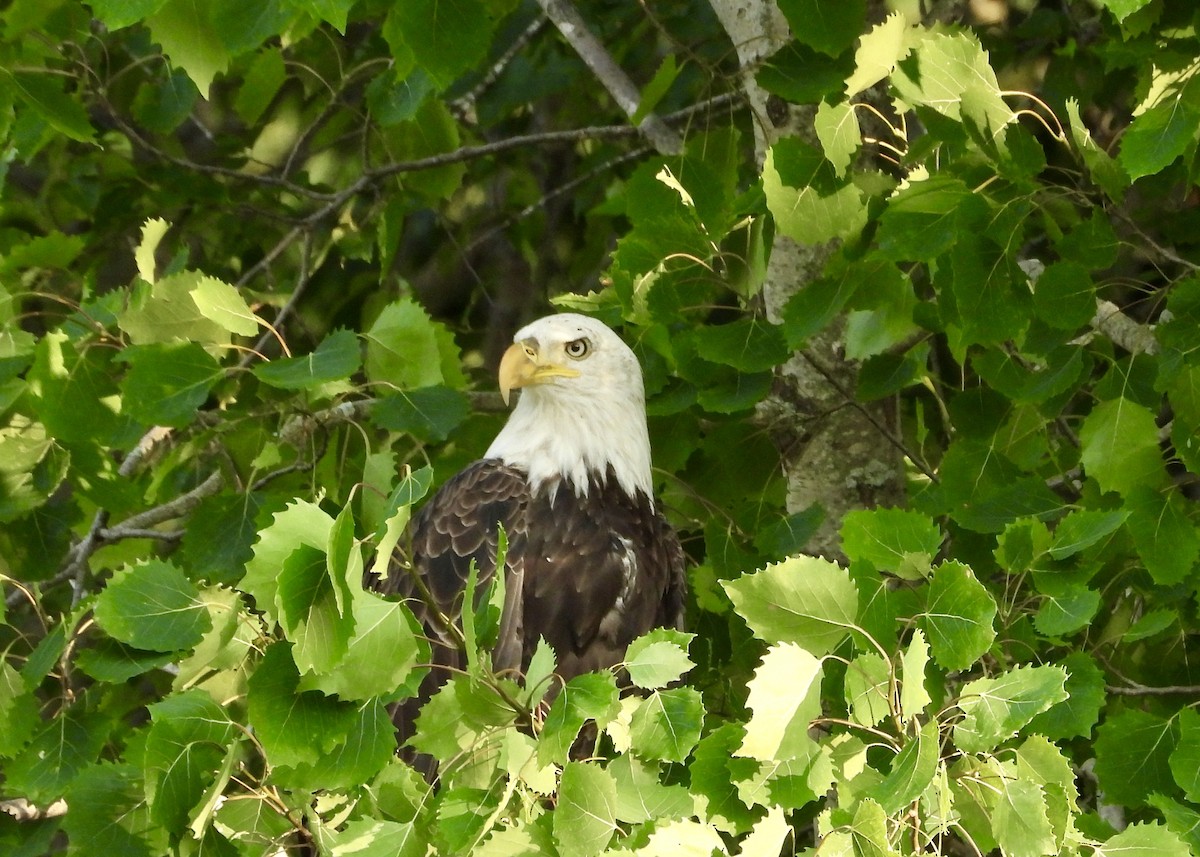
{"type": "Point", "coordinates": [523, 365]}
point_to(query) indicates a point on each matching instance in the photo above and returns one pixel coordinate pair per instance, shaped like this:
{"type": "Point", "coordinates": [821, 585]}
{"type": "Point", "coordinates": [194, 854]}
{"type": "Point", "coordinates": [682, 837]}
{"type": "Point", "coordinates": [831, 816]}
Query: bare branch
{"type": "Point", "coordinates": [176, 508]}
{"type": "Point", "coordinates": [463, 107]}
{"type": "Point", "coordinates": [22, 810]}
{"type": "Point", "coordinates": [575, 30]}
{"type": "Point", "coordinates": [1122, 330]}
{"type": "Point", "coordinates": [1135, 689]}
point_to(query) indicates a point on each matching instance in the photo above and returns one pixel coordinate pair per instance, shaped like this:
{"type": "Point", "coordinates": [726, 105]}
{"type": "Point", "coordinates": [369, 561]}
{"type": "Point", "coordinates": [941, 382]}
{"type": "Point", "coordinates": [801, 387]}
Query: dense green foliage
{"type": "Point", "coordinates": [254, 258]}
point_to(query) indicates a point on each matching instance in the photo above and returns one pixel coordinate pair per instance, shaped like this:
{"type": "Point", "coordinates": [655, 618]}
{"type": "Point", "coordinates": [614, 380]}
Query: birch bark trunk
{"type": "Point", "coordinates": [835, 451]}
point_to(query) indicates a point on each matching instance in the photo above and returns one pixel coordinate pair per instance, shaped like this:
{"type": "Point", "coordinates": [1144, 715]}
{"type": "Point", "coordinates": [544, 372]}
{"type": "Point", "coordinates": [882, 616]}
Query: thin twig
{"type": "Point", "coordinates": [463, 106]}
{"type": "Point", "coordinates": [116, 534]}
{"type": "Point", "coordinates": [1135, 689]}
{"type": "Point", "coordinates": [303, 278]}
{"type": "Point", "coordinates": [176, 508]}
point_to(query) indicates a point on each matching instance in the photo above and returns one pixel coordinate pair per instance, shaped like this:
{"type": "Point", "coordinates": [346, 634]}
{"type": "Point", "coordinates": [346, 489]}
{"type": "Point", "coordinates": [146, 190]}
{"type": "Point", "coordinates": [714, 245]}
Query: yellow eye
{"type": "Point", "coordinates": [577, 348]}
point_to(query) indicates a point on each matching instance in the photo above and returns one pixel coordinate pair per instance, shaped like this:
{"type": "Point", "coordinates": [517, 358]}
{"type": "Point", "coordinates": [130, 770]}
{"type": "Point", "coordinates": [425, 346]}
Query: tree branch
{"type": "Point", "coordinates": [575, 30]}
{"type": "Point", "coordinates": [1135, 689]}
{"type": "Point", "coordinates": [1122, 330]}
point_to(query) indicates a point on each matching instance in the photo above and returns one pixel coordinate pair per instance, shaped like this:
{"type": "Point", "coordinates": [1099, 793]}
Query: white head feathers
{"type": "Point", "coordinates": [582, 409]}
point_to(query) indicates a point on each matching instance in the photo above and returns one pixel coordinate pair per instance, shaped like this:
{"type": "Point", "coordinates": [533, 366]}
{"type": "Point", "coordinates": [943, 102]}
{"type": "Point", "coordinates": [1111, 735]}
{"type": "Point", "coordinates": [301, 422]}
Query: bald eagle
{"type": "Point", "coordinates": [591, 563]}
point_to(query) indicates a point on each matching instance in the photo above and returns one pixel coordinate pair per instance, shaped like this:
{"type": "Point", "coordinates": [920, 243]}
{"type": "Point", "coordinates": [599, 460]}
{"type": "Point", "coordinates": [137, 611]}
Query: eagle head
{"type": "Point", "coordinates": [581, 415]}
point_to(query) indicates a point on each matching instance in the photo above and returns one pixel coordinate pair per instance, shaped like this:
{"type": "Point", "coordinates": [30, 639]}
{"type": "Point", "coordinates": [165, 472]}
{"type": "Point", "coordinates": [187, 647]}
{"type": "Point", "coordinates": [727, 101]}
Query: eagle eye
{"type": "Point", "coordinates": [577, 348]}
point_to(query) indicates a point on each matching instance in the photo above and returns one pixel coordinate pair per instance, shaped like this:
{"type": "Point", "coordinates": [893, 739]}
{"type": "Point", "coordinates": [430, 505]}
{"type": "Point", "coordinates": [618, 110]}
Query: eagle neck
{"type": "Point", "coordinates": [562, 440]}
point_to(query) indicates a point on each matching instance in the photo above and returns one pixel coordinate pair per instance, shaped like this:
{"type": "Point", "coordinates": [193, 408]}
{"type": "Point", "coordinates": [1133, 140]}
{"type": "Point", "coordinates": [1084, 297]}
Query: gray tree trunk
{"type": "Point", "coordinates": [835, 451]}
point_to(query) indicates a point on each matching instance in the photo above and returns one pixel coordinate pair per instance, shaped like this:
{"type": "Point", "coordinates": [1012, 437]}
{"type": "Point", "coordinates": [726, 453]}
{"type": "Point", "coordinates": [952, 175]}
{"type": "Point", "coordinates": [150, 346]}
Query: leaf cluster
{"type": "Point", "coordinates": [254, 258]}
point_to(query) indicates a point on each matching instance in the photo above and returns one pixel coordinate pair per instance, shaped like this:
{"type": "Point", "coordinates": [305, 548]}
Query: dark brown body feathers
{"type": "Point", "coordinates": [589, 574]}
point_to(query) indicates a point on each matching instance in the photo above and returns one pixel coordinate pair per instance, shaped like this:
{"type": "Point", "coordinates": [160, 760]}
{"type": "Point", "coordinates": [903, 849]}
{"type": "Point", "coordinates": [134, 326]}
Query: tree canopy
{"type": "Point", "coordinates": [257, 261]}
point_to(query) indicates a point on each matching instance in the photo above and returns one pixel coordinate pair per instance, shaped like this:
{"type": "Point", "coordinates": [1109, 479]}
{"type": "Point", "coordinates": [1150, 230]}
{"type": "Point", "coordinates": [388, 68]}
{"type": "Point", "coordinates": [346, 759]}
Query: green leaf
{"type": "Point", "coordinates": [798, 74]}
{"type": "Point", "coordinates": [666, 725]}
{"type": "Point", "coordinates": [1105, 171]}
{"type": "Point", "coordinates": [167, 382]}
{"type": "Point", "coordinates": [807, 201]}
{"type": "Point", "coordinates": [152, 606]}
{"type": "Point", "coordinates": [32, 466]}
{"type": "Point", "coordinates": [53, 250]}
{"type": "Point", "coordinates": [1064, 296]}
{"type": "Point", "coordinates": [868, 831]}
{"type": "Point", "coordinates": [986, 296]}
{"type": "Point", "coordinates": [183, 749]}
{"type": "Point", "coordinates": [1021, 823]}
{"type": "Point", "coordinates": [888, 538]}
{"type": "Point", "coordinates": [44, 95]}
{"type": "Point", "coordinates": [994, 709]}
{"type": "Point", "coordinates": [1181, 820]}
{"type": "Point", "coordinates": [868, 687]}
{"type": "Point", "coordinates": [804, 600]}
{"type": "Point", "coordinates": [958, 617]}
{"type": "Point", "coordinates": [1150, 624]}
{"type": "Point", "coordinates": [381, 657]}
{"type": "Point", "coordinates": [1165, 537]}
{"type": "Point", "coordinates": [653, 92]}
{"type": "Point", "coordinates": [591, 696]}
{"type": "Point", "coordinates": [950, 73]}
{"type": "Point", "coordinates": [1122, 9]}
{"type": "Point", "coordinates": [1162, 132]}
{"type": "Point", "coordinates": [585, 818]}
{"type": "Point", "coordinates": [109, 813]}
{"type": "Point", "coordinates": [167, 312]}
{"type": "Point", "coordinates": [878, 53]}
{"type": "Point", "coordinates": [336, 358]}
{"type": "Point", "coordinates": [1119, 447]}
{"type": "Point", "coordinates": [830, 28]}
{"type": "Point", "coordinates": [912, 771]}
{"type": "Point", "coordinates": [447, 37]}
{"type": "Point", "coordinates": [1146, 839]}
{"type": "Point", "coordinates": [117, 14]}
{"type": "Point", "coordinates": [785, 697]}
{"type": "Point", "coordinates": [334, 12]}
{"type": "Point", "coordinates": [300, 524]}
{"type": "Point", "coordinates": [641, 796]}
{"type": "Point", "coordinates": [748, 345]}
{"type": "Point", "coordinates": [1078, 713]}
{"type": "Point", "coordinates": [322, 739]}
{"type": "Point", "coordinates": [310, 612]}
{"type": "Point", "coordinates": [217, 542]}
{"type": "Point", "coordinates": [369, 836]}
{"type": "Point", "coordinates": [408, 350]}
{"type": "Point", "coordinates": [658, 658]}
{"type": "Point", "coordinates": [429, 414]}
{"type": "Point", "coordinates": [837, 128]}
{"type": "Point", "coordinates": [1083, 528]}
{"type": "Point", "coordinates": [260, 85]}
{"type": "Point", "coordinates": [1185, 758]}
{"type": "Point", "coordinates": [1041, 762]}
{"type": "Point", "coordinates": [925, 218]}
{"type": "Point", "coordinates": [913, 695]}
{"type": "Point", "coordinates": [50, 763]}
{"type": "Point", "coordinates": [224, 305]}
{"type": "Point", "coordinates": [75, 396]}
{"type": "Point", "coordinates": [363, 745]}
{"type": "Point", "coordinates": [191, 40]}
{"type": "Point", "coordinates": [1092, 243]}
{"type": "Point", "coordinates": [154, 229]}
{"type": "Point", "coordinates": [18, 711]}
{"type": "Point", "coordinates": [108, 660]}
{"type": "Point", "coordinates": [162, 105]}
{"type": "Point", "coordinates": [1066, 609]}
{"type": "Point", "coordinates": [715, 768]}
